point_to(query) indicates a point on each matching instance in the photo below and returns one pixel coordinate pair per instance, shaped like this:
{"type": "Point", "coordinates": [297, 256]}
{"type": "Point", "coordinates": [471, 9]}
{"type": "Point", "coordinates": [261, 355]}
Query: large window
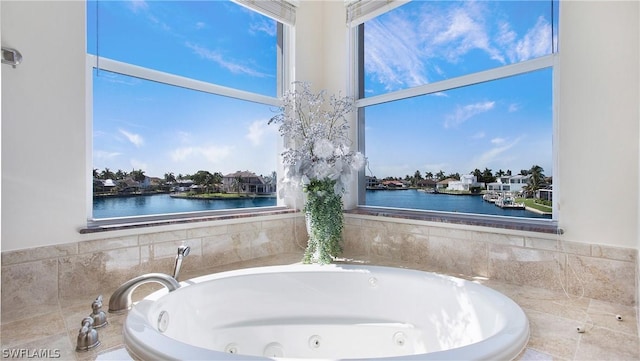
{"type": "Point", "coordinates": [181, 95]}
{"type": "Point", "coordinates": [456, 107]}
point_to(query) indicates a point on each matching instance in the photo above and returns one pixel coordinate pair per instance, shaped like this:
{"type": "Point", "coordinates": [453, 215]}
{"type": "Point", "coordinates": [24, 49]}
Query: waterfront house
{"type": "Point", "coordinates": [514, 184]}
{"type": "Point", "coordinates": [444, 184]}
{"type": "Point", "coordinates": [246, 182]}
{"type": "Point", "coordinates": [466, 183]}
{"type": "Point", "coordinates": [426, 183]}
{"type": "Point", "coordinates": [394, 184]}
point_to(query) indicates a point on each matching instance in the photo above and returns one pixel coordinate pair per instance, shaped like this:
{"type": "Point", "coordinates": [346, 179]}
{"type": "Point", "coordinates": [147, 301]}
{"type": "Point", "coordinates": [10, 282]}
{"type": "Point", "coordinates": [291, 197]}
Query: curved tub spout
{"type": "Point", "coordinates": [120, 300]}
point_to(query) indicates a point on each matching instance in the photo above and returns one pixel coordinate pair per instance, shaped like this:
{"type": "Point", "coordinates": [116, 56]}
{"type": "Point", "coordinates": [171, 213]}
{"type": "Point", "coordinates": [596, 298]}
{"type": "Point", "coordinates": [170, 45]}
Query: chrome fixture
{"type": "Point", "coordinates": [120, 300]}
{"type": "Point", "coordinates": [97, 314]}
{"type": "Point", "coordinates": [87, 336]}
{"type": "Point", "coordinates": [11, 56]}
{"type": "Point", "coordinates": [183, 251]}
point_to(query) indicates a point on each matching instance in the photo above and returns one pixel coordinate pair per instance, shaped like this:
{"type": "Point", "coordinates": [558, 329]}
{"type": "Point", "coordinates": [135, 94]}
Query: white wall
{"type": "Point", "coordinates": [598, 93]}
{"type": "Point", "coordinates": [43, 124]}
{"type": "Point", "coordinates": [43, 116]}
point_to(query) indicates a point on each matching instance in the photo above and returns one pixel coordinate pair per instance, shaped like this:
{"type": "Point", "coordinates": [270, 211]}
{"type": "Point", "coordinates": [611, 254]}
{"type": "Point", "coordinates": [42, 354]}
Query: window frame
{"type": "Point", "coordinates": [356, 82]}
{"type": "Point", "coordinates": [285, 56]}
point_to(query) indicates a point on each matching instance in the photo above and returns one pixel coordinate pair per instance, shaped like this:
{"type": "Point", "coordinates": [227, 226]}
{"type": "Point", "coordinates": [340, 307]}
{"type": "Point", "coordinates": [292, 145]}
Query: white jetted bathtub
{"type": "Point", "coordinates": [326, 312]}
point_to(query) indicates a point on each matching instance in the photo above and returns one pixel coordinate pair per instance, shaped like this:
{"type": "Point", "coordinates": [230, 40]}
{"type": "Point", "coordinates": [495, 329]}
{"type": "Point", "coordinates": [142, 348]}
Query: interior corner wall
{"type": "Point", "coordinates": [309, 44]}
{"type": "Point", "coordinates": [321, 57]}
{"type": "Point", "coordinates": [44, 178]}
{"type": "Point", "coordinates": [597, 99]}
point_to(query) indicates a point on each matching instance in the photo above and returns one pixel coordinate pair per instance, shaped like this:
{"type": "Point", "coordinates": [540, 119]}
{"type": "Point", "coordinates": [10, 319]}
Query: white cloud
{"type": "Point", "coordinates": [201, 25]}
{"type": "Point", "coordinates": [181, 154]}
{"type": "Point", "coordinates": [464, 113]}
{"type": "Point", "coordinates": [500, 147]}
{"type": "Point", "coordinates": [213, 154]}
{"type": "Point", "coordinates": [406, 49]}
{"type": "Point", "coordinates": [136, 139]}
{"type": "Point", "coordinates": [136, 164]}
{"type": "Point", "coordinates": [505, 35]}
{"type": "Point", "coordinates": [103, 155]}
{"type": "Point", "coordinates": [463, 30]}
{"type": "Point", "coordinates": [478, 135]}
{"type": "Point", "coordinates": [514, 107]}
{"type": "Point", "coordinates": [217, 58]}
{"type": "Point", "coordinates": [264, 26]}
{"type": "Point", "coordinates": [536, 42]}
{"type": "Point", "coordinates": [137, 5]}
{"type": "Point", "coordinates": [393, 54]}
{"type": "Point", "coordinates": [257, 132]}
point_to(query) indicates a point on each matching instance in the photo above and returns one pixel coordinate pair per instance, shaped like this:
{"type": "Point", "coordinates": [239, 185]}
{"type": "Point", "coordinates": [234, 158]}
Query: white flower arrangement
{"type": "Point", "coordinates": [316, 138]}
{"type": "Point", "coordinates": [319, 160]}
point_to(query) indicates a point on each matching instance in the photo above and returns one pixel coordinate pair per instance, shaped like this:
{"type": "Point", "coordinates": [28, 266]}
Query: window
{"type": "Point", "coordinates": [455, 102]}
{"type": "Point", "coordinates": [181, 95]}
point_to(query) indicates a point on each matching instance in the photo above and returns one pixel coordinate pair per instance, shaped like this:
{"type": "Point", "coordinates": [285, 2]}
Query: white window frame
{"type": "Point", "coordinates": [285, 56]}
{"type": "Point", "coordinates": [356, 81]}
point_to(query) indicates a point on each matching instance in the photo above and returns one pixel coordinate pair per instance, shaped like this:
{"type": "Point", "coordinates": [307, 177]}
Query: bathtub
{"type": "Point", "coordinates": [325, 313]}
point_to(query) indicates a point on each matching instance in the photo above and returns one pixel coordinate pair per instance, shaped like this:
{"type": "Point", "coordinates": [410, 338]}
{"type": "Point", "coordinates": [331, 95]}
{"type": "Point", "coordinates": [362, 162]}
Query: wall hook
{"type": "Point", "coordinates": [11, 57]}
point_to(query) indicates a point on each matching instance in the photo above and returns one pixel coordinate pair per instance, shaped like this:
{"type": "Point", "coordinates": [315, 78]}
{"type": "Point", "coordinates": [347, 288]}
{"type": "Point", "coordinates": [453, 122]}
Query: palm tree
{"type": "Point", "coordinates": [428, 175]}
{"type": "Point", "coordinates": [536, 181]}
{"type": "Point", "coordinates": [169, 177]}
{"type": "Point", "coordinates": [478, 173]}
{"type": "Point", "coordinates": [487, 176]}
{"type": "Point", "coordinates": [107, 174]}
{"type": "Point", "coordinates": [417, 177]}
{"type": "Point", "coordinates": [120, 174]}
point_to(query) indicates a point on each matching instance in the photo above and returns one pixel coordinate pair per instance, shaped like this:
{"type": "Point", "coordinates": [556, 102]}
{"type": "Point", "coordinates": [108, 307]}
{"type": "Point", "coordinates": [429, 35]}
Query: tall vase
{"type": "Point", "coordinates": [324, 219]}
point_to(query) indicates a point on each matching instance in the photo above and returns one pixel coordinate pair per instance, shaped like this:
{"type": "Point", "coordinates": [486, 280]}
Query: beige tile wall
{"type": "Point", "coordinates": [32, 278]}
{"type": "Point", "coordinates": [523, 258]}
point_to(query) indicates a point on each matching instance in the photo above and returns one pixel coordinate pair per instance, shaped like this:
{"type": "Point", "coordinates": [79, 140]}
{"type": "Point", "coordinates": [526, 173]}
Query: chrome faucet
{"type": "Point", "coordinates": [183, 251]}
{"type": "Point", "coordinates": [120, 300]}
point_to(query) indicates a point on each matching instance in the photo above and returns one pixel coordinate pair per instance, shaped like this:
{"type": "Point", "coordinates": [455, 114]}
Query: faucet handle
{"type": "Point", "coordinates": [87, 336]}
{"type": "Point", "coordinates": [98, 316]}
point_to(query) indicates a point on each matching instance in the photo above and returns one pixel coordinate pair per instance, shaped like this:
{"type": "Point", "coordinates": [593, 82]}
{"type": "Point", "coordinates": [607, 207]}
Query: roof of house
{"type": "Point", "coordinates": [243, 174]}
{"type": "Point", "coordinates": [447, 180]}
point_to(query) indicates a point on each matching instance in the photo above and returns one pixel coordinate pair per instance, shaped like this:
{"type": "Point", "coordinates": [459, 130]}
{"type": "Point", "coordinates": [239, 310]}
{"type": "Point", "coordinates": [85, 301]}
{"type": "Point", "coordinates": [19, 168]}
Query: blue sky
{"type": "Point", "coordinates": [157, 128]}
{"type": "Point", "coordinates": [506, 124]}
{"type": "Point", "coordinates": [139, 124]}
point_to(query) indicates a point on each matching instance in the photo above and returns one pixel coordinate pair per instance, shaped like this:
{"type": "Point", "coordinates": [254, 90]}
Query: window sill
{"type": "Point", "coordinates": [512, 223]}
{"type": "Point", "coordinates": [117, 224]}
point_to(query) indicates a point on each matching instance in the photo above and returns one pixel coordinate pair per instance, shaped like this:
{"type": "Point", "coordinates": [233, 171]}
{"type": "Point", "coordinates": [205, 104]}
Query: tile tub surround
{"type": "Point", "coordinates": [538, 260]}
{"type": "Point", "coordinates": [553, 317]}
{"type": "Point", "coordinates": [32, 278]}
{"type": "Point", "coordinates": [537, 270]}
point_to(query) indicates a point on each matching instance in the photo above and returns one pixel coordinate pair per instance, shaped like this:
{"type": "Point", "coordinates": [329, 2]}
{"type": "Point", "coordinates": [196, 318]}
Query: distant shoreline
{"type": "Point", "coordinates": [209, 196]}
{"type": "Point", "coordinates": [125, 195]}
{"type": "Point", "coordinates": [222, 196]}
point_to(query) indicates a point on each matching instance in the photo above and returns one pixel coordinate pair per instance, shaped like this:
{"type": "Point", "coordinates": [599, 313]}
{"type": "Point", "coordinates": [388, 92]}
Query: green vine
{"type": "Point", "coordinates": [324, 211]}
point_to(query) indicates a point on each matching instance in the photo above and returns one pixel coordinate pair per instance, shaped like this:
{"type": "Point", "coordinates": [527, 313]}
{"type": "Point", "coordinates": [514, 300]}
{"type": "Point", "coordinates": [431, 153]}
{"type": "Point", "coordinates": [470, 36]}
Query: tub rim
{"type": "Point", "coordinates": [139, 334]}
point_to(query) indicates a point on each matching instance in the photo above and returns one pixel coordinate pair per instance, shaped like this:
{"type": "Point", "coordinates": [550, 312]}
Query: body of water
{"type": "Point", "coordinates": [163, 203]}
{"type": "Point", "coordinates": [413, 199]}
